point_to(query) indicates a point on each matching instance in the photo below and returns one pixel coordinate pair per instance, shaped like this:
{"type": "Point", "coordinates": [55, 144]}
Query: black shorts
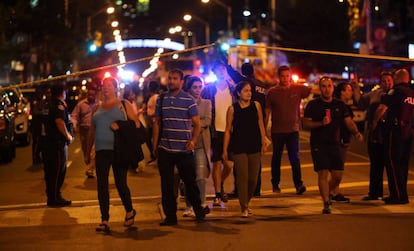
{"type": "Point", "coordinates": [327, 157]}
{"type": "Point", "coordinates": [217, 147]}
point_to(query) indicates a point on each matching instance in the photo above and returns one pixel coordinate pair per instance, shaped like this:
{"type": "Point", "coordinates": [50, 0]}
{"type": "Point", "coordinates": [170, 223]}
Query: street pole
{"type": "Point", "coordinates": [207, 33]}
{"type": "Point", "coordinates": [273, 17]}
{"type": "Point", "coordinates": [88, 27]}
{"type": "Point", "coordinates": [109, 10]}
{"type": "Point", "coordinates": [229, 13]}
{"type": "Point", "coordinates": [229, 23]}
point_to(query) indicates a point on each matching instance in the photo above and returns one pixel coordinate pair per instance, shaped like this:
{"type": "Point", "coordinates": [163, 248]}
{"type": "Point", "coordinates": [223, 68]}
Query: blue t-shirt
{"type": "Point", "coordinates": [177, 113]}
{"type": "Point", "coordinates": [102, 120]}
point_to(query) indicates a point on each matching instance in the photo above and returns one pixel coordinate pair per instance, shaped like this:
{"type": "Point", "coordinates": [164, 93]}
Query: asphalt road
{"type": "Point", "coordinates": [282, 221]}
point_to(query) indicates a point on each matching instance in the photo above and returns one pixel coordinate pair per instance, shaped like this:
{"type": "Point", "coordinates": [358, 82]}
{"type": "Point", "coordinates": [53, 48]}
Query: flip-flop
{"type": "Point", "coordinates": [103, 227]}
{"type": "Point", "coordinates": [131, 218]}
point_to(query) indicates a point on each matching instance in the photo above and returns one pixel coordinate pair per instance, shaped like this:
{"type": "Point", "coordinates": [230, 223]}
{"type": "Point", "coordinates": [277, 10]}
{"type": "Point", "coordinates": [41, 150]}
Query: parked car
{"type": "Point", "coordinates": [7, 140]}
{"type": "Point", "coordinates": [20, 107]}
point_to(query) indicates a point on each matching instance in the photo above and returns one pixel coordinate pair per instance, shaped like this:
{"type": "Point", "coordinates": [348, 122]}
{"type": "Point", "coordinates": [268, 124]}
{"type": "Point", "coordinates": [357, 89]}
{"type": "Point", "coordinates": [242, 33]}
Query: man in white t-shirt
{"type": "Point", "coordinates": [221, 96]}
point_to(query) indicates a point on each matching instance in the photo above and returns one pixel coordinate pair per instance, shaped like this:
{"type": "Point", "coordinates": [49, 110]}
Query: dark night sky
{"type": "Point", "coordinates": [304, 24]}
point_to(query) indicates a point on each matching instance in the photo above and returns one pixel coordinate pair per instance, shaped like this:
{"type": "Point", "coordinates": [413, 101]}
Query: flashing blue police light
{"type": "Point", "coordinates": [224, 46]}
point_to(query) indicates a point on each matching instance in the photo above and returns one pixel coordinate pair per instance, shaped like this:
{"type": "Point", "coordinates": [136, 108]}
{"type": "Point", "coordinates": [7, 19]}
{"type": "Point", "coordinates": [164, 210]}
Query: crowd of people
{"type": "Point", "coordinates": [193, 130]}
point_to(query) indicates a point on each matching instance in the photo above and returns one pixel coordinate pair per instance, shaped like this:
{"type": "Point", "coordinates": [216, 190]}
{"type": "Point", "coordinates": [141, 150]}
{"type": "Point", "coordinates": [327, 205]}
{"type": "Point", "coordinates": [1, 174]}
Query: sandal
{"type": "Point", "coordinates": [103, 227]}
{"type": "Point", "coordinates": [129, 221]}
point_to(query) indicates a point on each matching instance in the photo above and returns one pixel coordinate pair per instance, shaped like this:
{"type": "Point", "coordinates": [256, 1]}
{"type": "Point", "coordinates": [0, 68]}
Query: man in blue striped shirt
{"type": "Point", "coordinates": [176, 129]}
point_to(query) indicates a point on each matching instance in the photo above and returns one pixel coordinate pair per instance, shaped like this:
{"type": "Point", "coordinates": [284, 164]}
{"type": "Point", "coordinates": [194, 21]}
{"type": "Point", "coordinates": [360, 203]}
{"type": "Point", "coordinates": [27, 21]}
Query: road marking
{"type": "Point", "coordinates": [152, 197]}
{"type": "Point", "coordinates": [77, 150]}
{"type": "Point", "coordinates": [343, 185]}
{"type": "Point", "coordinates": [285, 167]}
{"type": "Point", "coordinates": [270, 153]}
{"type": "Point", "coordinates": [287, 206]}
{"type": "Point", "coordinates": [358, 155]}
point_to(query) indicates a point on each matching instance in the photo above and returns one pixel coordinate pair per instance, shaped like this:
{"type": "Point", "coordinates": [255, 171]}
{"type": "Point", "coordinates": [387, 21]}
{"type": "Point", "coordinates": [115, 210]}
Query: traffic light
{"type": "Point", "coordinates": [96, 43]}
{"type": "Point", "coordinates": [92, 47]}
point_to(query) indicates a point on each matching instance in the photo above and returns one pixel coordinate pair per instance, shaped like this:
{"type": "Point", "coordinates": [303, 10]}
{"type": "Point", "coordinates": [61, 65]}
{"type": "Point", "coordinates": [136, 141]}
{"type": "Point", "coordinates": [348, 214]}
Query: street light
{"type": "Point", "coordinates": [228, 8]}
{"type": "Point", "coordinates": [188, 17]}
{"type": "Point", "coordinates": [109, 10]}
{"type": "Point", "coordinates": [179, 29]}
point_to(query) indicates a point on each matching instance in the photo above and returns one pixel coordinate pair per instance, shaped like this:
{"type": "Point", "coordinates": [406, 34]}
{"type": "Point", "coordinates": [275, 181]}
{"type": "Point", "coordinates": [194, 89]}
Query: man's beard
{"type": "Point", "coordinates": [172, 87]}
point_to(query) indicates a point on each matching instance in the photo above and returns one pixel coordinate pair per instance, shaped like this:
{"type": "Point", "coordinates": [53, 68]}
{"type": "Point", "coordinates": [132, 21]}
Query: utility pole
{"type": "Point", "coordinates": [273, 17]}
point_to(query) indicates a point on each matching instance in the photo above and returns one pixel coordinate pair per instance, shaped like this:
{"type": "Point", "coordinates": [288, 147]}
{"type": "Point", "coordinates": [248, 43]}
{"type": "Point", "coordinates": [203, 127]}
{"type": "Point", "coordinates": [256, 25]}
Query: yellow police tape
{"type": "Point", "coordinates": [331, 53]}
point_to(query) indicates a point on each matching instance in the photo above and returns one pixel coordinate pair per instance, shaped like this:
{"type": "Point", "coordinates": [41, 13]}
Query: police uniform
{"type": "Point", "coordinates": [55, 153]}
{"type": "Point", "coordinates": [398, 134]}
{"type": "Point", "coordinates": [39, 110]}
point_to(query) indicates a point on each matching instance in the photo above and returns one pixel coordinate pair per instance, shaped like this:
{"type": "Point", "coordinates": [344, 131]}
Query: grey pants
{"type": "Point", "coordinates": [247, 168]}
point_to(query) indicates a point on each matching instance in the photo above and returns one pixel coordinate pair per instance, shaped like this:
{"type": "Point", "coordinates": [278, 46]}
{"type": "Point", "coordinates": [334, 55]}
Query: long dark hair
{"type": "Point", "coordinates": [239, 87]}
{"type": "Point", "coordinates": [190, 81]}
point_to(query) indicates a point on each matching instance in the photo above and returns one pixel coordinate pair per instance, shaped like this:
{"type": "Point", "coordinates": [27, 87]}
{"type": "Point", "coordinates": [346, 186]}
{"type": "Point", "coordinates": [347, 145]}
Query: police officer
{"type": "Point", "coordinates": [36, 124]}
{"type": "Point", "coordinates": [39, 108]}
{"type": "Point", "coordinates": [58, 136]}
{"type": "Point", "coordinates": [398, 107]}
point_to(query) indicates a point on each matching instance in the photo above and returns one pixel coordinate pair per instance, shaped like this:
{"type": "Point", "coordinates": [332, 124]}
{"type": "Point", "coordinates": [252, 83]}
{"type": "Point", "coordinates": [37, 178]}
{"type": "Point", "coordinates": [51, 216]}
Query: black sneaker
{"type": "Point", "coordinates": [168, 222]}
{"type": "Point", "coordinates": [59, 203]}
{"type": "Point", "coordinates": [53, 204]}
{"type": "Point", "coordinates": [232, 195]}
{"type": "Point", "coordinates": [340, 198]}
{"type": "Point", "coordinates": [276, 188]}
{"type": "Point", "coordinates": [370, 197]}
{"type": "Point", "coordinates": [300, 190]}
{"type": "Point", "coordinates": [326, 208]}
{"type": "Point", "coordinates": [394, 201]}
{"type": "Point", "coordinates": [223, 195]}
{"type": "Point", "coordinates": [206, 210]}
{"type": "Point", "coordinates": [201, 214]}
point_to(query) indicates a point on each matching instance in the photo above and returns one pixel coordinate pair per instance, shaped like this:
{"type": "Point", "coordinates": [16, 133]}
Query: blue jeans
{"type": "Point", "coordinates": [202, 173]}
{"type": "Point", "coordinates": [291, 140]}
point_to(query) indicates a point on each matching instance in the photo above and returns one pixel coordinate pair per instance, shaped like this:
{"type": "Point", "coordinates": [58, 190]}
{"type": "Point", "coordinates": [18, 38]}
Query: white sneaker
{"type": "Point", "coordinates": [188, 212]}
{"type": "Point", "coordinates": [245, 213]}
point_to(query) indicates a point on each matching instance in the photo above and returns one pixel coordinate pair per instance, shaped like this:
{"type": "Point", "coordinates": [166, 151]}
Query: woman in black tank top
{"type": "Point", "coordinates": [244, 137]}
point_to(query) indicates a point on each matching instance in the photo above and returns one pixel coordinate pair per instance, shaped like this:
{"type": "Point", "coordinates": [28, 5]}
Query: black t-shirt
{"type": "Point", "coordinates": [329, 134]}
